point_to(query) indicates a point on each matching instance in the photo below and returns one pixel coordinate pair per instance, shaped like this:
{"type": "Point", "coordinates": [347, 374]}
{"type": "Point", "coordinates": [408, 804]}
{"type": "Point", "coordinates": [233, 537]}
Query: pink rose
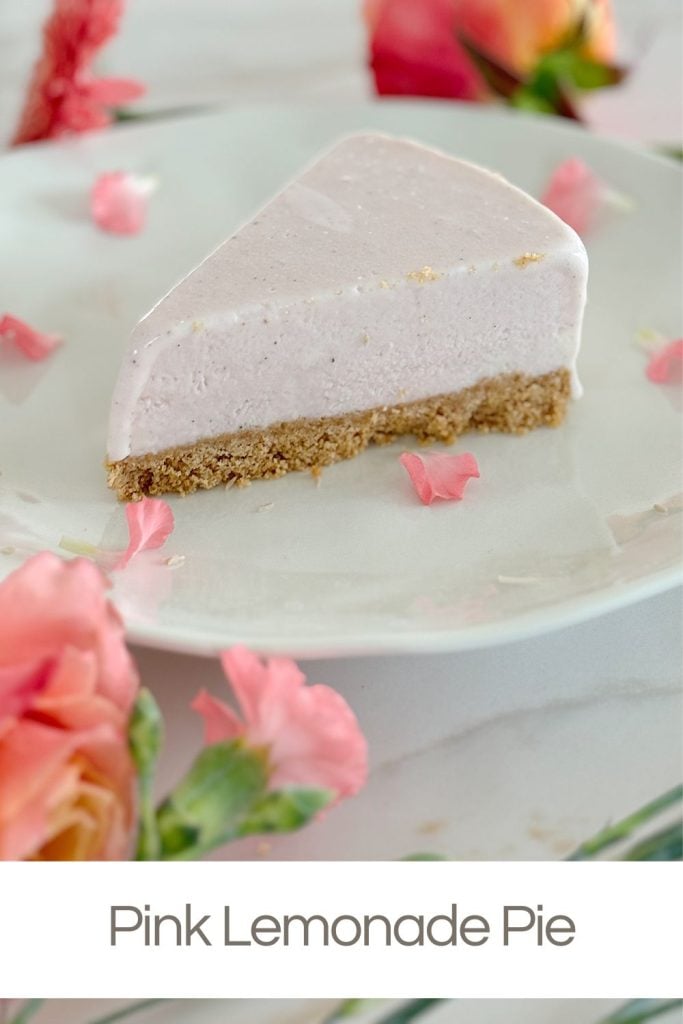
{"type": "Point", "coordinates": [414, 47]}
{"type": "Point", "coordinates": [310, 734]}
{"type": "Point", "coordinates": [67, 687]}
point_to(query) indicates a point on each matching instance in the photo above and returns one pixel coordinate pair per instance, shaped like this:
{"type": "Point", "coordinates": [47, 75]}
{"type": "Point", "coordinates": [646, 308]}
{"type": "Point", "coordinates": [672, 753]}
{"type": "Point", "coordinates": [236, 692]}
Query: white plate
{"type": "Point", "coordinates": [560, 526]}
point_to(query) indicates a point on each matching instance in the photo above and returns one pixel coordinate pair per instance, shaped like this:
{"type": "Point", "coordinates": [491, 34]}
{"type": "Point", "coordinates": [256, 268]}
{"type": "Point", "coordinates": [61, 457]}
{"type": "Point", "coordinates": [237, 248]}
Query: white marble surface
{"type": "Point", "coordinates": [514, 753]}
{"type": "Point", "coordinates": [260, 1011]}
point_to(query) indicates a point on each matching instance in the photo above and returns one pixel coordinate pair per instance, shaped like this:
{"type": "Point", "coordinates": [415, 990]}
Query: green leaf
{"type": "Point", "coordinates": [627, 826]}
{"type": "Point", "coordinates": [638, 1011]}
{"type": "Point", "coordinates": [285, 810]}
{"type": "Point", "coordinates": [348, 1008]}
{"type": "Point", "coordinates": [525, 99]}
{"type": "Point", "coordinates": [666, 844]}
{"type": "Point", "coordinates": [27, 1011]}
{"type": "Point", "coordinates": [146, 737]}
{"type": "Point", "coordinates": [591, 74]}
{"type": "Point", "coordinates": [212, 803]}
{"type": "Point", "coordinates": [425, 856]}
{"type": "Point", "coordinates": [410, 1011]}
{"type": "Point", "coordinates": [126, 1012]}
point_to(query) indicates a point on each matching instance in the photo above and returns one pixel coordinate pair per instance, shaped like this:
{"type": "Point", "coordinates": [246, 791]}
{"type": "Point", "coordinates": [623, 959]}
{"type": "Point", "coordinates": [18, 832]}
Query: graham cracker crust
{"type": "Point", "coordinates": [513, 403]}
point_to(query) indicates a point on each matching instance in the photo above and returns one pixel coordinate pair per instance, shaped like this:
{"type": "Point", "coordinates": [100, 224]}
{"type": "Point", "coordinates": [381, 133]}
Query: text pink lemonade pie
{"type": "Point", "coordinates": [390, 289]}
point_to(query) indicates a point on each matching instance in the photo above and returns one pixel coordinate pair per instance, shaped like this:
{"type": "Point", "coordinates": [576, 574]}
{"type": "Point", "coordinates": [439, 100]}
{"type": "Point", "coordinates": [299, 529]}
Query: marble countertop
{"type": "Point", "coordinates": [263, 1011]}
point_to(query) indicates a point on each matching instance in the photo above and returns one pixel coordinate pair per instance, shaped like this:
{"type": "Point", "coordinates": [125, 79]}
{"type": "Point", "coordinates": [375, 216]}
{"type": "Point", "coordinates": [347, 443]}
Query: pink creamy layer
{"type": "Point", "coordinates": [386, 273]}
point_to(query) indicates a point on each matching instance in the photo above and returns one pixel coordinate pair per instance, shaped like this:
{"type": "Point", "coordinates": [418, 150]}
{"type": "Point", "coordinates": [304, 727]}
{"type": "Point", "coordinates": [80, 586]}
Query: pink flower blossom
{"type": "Point", "coordinates": [665, 366]}
{"type": "Point", "coordinates": [63, 94]}
{"type": "Point", "coordinates": [310, 733]}
{"type": "Point", "coordinates": [32, 343]}
{"type": "Point", "coordinates": [150, 523]}
{"type": "Point", "coordinates": [67, 687]}
{"type": "Point", "coordinates": [439, 475]}
{"type": "Point", "coordinates": [118, 202]}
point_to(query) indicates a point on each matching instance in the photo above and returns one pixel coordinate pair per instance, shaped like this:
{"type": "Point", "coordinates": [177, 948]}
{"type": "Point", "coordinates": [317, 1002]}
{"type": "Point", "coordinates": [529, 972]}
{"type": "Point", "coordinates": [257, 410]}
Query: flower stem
{"type": "Point", "coordinates": [28, 1010]}
{"type": "Point", "coordinates": [640, 1010]}
{"type": "Point", "coordinates": [410, 1011]}
{"type": "Point", "coordinates": [129, 1011]}
{"type": "Point", "coordinates": [623, 829]}
{"type": "Point", "coordinates": [145, 735]}
{"type": "Point", "coordinates": [404, 1014]}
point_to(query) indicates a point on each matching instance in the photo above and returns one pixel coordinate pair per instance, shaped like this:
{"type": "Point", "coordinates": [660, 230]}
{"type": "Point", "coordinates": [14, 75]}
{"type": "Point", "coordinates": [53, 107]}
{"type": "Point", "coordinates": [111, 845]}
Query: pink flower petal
{"type": "Point", "coordinates": [150, 522]}
{"type": "Point", "coordinates": [220, 721]}
{"type": "Point", "coordinates": [310, 732]}
{"type": "Point", "coordinates": [111, 92]}
{"type": "Point", "coordinates": [118, 202]}
{"type": "Point", "coordinates": [575, 194]}
{"type": "Point", "coordinates": [34, 344]}
{"type": "Point", "coordinates": [437, 475]}
{"type": "Point", "coordinates": [19, 684]}
{"type": "Point", "coordinates": [665, 366]}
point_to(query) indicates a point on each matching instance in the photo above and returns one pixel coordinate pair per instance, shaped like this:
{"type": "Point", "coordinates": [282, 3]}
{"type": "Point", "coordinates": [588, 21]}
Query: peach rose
{"type": "Point", "coordinates": [67, 687]}
{"type": "Point", "coordinates": [415, 49]}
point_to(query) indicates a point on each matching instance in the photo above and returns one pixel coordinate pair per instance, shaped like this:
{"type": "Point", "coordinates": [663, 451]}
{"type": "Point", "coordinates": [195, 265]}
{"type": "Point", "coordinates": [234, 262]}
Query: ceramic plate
{"type": "Point", "coordinates": [563, 524]}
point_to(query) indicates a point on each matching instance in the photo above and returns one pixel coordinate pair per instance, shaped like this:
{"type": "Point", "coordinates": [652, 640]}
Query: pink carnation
{"type": "Point", "coordinates": [67, 687]}
{"type": "Point", "coordinates": [63, 95]}
{"type": "Point", "coordinates": [310, 733]}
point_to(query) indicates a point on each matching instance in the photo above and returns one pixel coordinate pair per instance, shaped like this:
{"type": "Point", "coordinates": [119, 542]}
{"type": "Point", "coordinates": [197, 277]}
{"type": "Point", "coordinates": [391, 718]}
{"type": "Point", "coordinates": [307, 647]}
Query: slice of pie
{"type": "Point", "coordinates": [388, 290]}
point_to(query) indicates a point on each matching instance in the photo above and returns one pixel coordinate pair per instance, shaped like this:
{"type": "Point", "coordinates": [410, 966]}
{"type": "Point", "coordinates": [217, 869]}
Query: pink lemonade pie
{"type": "Point", "coordinates": [390, 289]}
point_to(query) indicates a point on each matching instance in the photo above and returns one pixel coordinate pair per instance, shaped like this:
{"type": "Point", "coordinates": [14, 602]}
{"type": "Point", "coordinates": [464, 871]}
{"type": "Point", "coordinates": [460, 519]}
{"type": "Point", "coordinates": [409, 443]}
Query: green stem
{"type": "Point", "coordinates": [403, 1015]}
{"type": "Point", "coordinates": [148, 847]}
{"type": "Point", "coordinates": [128, 1011]}
{"type": "Point", "coordinates": [667, 844]}
{"type": "Point", "coordinates": [410, 1011]}
{"type": "Point", "coordinates": [343, 1012]}
{"type": "Point", "coordinates": [640, 1010]}
{"type": "Point", "coordinates": [28, 1010]}
{"type": "Point", "coordinates": [145, 735]}
{"type": "Point", "coordinates": [623, 829]}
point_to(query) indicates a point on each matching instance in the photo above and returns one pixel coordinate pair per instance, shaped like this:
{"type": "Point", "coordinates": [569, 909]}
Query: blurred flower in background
{"type": "Point", "coordinates": [64, 96]}
{"type": "Point", "coordinates": [535, 54]}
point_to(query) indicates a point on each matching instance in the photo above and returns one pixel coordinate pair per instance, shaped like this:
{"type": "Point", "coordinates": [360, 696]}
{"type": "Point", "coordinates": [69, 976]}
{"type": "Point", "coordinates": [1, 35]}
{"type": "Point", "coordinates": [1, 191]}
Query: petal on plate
{"type": "Point", "coordinates": [150, 523]}
{"type": "Point", "coordinates": [32, 343]}
{"type": "Point", "coordinates": [438, 475]}
{"type": "Point", "coordinates": [118, 202]}
{"type": "Point", "coordinates": [576, 194]}
{"type": "Point", "coordinates": [665, 365]}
